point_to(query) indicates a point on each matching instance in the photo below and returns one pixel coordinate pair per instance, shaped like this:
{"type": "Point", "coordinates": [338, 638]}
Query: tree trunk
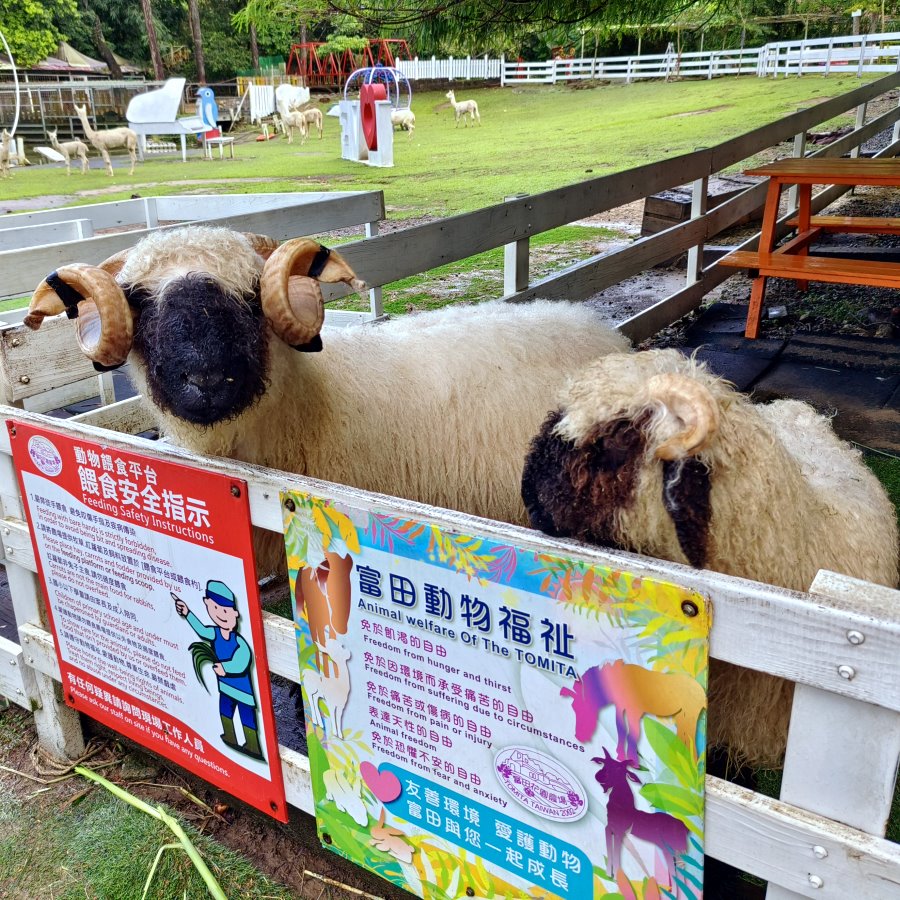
{"type": "Point", "coordinates": [303, 53]}
{"type": "Point", "coordinates": [254, 48]}
{"type": "Point", "coordinates": [197, 35]}
{"type": "Point", "coordinates": [100, 42]}
{"type": "Point", "coordinates": [159, 73]}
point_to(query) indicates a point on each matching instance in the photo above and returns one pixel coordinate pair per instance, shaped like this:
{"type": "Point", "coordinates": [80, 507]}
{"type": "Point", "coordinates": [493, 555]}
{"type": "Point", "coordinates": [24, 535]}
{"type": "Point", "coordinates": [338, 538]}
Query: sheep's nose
{"type": "Point", "coordinates": [206, 380]}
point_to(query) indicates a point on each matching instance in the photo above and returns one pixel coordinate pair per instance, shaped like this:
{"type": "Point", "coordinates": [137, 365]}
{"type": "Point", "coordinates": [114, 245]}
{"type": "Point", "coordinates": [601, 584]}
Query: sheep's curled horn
{"type": "Point", "coordinates": [691, 415]}
{"type": "Point", "coordinates": [289, 287]}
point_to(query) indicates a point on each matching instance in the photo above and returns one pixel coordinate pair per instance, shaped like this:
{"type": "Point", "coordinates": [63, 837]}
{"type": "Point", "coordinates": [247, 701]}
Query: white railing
{"type": "Point", "coordinates": [467, 67]}
{"type": "Point", "coordinates": [856, 54]}
{"type": "Point", "coordinates": [842, 55]}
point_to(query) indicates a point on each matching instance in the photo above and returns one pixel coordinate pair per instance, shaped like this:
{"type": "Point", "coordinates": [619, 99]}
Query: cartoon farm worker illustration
{"type": "Point", "coordinates": [232, 661]}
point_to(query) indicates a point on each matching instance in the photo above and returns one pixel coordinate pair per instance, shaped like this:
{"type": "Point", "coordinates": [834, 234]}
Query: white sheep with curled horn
{"type": "Point", "coordinates": [436, 407]}
{"type": "Point", "coordinates": [650, 452]}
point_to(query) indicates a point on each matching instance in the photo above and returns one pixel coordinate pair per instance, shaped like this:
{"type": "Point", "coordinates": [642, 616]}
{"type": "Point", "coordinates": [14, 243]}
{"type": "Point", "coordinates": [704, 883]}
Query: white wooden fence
{"type": "Point", "coordinates": [840, 642]}
{"type": "Point", "coordinates": [856, 54]}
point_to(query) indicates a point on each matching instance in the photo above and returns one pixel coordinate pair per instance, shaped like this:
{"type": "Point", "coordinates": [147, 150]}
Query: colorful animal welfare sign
{"type": "Point", "coordinates": [485, 720]}
{"type": "Point", "coordinates": [148, 571]}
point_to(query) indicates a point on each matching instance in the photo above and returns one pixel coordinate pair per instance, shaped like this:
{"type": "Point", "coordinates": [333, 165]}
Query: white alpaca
{"type": "Point", "coordinates": [69, 149]}
{"type": "Point", "coordinates": [109, 139]}
{"type": "Point", "coordinates": [405, 119]}
{"type": "Point", "coordinates": [5, 141]}
{"type": "Point", "coordinates": [333, 690]}
{"type": "Point", "coordinates": [291, 119]}
{"type": "Point", "coordinates": [464, 108]}
{"type": "Point", "coordinates": [313, 119]}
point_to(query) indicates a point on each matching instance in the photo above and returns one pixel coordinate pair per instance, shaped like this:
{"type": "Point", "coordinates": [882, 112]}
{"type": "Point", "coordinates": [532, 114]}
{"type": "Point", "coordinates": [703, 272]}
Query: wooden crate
{"type": "Point", "coordinates": [668, 208]}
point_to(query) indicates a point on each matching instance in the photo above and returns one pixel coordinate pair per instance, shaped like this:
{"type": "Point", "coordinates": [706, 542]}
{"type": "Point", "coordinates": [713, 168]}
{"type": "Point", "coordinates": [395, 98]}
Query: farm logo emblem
{"type": "Point", "coordinates": [540, 783]}
{"type": "Point", "coordinates": [45, 455]}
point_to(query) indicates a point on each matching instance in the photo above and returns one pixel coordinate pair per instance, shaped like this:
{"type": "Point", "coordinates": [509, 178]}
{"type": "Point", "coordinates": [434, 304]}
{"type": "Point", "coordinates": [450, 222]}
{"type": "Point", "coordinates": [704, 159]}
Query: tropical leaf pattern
{"type": "Point", "coordinates": [645, 620]}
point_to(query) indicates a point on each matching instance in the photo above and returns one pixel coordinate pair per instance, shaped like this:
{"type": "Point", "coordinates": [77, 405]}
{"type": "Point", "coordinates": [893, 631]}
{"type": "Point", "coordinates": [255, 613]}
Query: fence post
{"type": "Point", "coordinates": [828, 55]}
{"type": "Point", "coordinates": [515, 260]}
{"type": "Point", "coordinates": [860, 121]}
{"type": "Point", "coordinates": [628, 72]}
{"type": "Point", "coordinates": [58, 726]}
{"type": "Point", "coordinates": [800, 59]}
{"type": "Point", "coordinates": [502, 70]}
{"type": "Point", "coordinates": [895, 134]}
{"type": "Point", "coordinates": [849, 780]}
{"type": "Point", "coordinates": [799, 152]}
{"type": "Point", "coordinates": [375, 301]}
{"type": "Point", "coordinates": [699, 190]}
{"type": "Point", "coordinates": [862, 57]}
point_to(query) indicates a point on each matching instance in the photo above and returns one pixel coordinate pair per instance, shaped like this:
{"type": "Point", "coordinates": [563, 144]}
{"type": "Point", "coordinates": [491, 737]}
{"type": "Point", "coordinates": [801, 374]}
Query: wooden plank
{"type": "Point", "coordinates": [131, 416]}
{"type": "Point", "coordinates": [102, 215]}
{"type": "Point", "coordinates": [302, 217]}
{"type": "Point", "coordinates": [827, 170]}
{"type": "Point", "coordinates": [11, 684]}
{"type": "Point", "coordinates": [66, 394]}
{"type": "Point", "coordinates": [795, 637]}
{"type": "Point", "coordinates": [24, 353]}
{"type": "Point", "coordinates": [776, 841]}
{"type": "Point", "coordinates": [50, 233]}
{"type": "Point", "coordinates": [817, 268]}
{"type": "Point", "coordinates": [854, 224]}
{"type": "Point", "coordinates": [390, 257]}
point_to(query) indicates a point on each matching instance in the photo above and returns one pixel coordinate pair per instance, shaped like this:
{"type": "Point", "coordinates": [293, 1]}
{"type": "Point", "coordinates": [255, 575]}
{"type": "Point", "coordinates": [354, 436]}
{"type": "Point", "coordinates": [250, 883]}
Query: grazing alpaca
{"type": "Point", "coordinates": [69, 149]}
{"type": "Point", "coordinates": [5, 141]}
{"type": "Point", "coordinates": [405, 119]}
{"type": "Point", "coordinates": [109, 139]}
{"type": "Point", "coordinates": [464, 108]}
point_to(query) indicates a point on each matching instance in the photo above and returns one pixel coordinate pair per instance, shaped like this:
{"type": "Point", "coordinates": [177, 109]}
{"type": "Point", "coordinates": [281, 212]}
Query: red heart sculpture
{"type": "Point", "coordinates": [384, 785]}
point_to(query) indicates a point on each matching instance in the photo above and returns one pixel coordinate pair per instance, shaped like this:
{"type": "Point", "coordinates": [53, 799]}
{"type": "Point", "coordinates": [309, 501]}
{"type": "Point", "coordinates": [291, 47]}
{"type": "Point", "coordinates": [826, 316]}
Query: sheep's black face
{"type": "Point", "coordinates": [206, 353]}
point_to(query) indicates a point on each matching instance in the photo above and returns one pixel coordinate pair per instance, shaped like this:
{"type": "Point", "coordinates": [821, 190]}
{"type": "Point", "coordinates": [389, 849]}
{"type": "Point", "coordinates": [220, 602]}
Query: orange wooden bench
{"type": "Point", "coordinates": [792, 260]}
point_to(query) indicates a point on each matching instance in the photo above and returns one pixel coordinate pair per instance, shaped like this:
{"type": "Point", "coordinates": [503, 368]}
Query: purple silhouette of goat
{"type": "Point", "coordinates": [666, 832]}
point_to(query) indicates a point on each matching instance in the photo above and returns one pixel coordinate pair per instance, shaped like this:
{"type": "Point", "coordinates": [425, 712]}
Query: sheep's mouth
{"type": "Point", "coordinates": [207, 400]}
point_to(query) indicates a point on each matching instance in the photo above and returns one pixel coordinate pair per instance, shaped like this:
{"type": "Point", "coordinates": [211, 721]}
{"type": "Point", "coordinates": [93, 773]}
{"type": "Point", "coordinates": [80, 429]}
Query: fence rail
{"type": "Point", "coordinates": [856, 54]}
{"type": "Point", "coordinates": [825, 836]}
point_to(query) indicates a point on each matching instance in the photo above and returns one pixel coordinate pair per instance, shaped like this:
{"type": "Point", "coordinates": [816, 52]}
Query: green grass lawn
{"type": "Point", "coordinates": [532, 139]}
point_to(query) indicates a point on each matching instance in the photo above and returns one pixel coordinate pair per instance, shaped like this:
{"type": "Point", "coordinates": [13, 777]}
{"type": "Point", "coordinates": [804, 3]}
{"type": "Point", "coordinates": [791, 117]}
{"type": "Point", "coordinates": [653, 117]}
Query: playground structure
{"type": "Point", "coordinates": [367, 132]}
{"type": "Point", "coordinates": [333, 69]}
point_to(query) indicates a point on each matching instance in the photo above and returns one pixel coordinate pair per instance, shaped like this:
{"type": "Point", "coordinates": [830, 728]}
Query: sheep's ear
{"type": "Point", "coordinates": [689, 416]}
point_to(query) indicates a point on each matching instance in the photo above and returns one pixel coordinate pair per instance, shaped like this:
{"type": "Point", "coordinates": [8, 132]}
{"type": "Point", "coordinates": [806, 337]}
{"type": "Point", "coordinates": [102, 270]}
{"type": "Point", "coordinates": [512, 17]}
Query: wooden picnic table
{"type": "Point", "coordinates": [792, 259]}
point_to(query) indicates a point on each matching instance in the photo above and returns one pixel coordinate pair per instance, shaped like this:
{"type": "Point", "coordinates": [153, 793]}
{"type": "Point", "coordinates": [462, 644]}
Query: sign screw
{"type": "Point", "coordinates": [847, 672]}
{"type": "Point", "coordinates": [690, 609]}
{"type": "Point", "coordinates": [855, 637]}
{"type": "Point", "coordinates": [326, 837]}
{"type": "Point", "coordinates": [290, 505]}
{"type": "Point", "coordinates": [24, 379]}
{"type": "Point", "coordinates": [819, 852]}
{"type": "Point", "coordinates": [235, 491]}
{"type": "Point", "coordinates": [15, 342]}
{"type": "Point", "coordinates": [470, 892]}
{"type": "Point", "coordinates": [816, 881]}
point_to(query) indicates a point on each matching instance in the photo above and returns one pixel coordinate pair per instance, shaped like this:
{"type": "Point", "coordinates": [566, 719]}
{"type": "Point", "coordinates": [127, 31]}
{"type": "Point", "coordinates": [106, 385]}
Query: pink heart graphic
{"type": "Point", "coordinates": [384, 785]}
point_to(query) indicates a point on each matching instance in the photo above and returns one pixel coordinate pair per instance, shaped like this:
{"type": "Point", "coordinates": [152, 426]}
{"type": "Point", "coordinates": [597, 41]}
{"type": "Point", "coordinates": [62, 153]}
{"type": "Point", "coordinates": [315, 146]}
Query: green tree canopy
{"type": "Point", "coordinates": [33, 29]}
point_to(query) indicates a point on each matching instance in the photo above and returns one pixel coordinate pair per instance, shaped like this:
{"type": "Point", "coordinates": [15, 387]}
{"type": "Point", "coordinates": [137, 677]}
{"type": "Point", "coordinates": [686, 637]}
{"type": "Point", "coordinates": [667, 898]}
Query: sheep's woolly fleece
{"type": "Point", "coordinates": [437, 407]}
{"type": "Point", "coordinates": [163, 256]}
{"type": "Point", "coordinates": [787, 498]}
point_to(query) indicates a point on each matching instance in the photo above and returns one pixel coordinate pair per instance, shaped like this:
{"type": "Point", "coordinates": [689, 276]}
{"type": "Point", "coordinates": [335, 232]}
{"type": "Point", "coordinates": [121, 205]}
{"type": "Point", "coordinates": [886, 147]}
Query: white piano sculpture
{"type": "Point", "coordinates": [156, 112]}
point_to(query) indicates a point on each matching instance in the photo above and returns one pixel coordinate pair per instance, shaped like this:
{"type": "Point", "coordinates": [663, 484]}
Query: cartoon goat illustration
{"type": "Point", "coordinates": [666, 832]}
{"type": "Point", "coordinates": [635, 692]}
{"type": "Point", "coordinates": [333, 690]}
